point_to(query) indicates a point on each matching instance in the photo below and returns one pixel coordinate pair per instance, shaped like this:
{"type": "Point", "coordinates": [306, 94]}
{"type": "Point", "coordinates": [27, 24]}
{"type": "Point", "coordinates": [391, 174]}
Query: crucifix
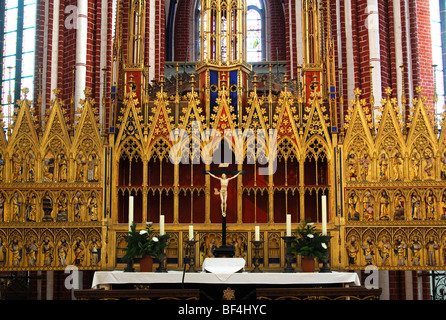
{"type": "Point", "coordinates": [224, 250]}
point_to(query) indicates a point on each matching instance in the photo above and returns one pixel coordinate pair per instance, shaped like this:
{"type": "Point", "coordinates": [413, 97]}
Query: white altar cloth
{"type": "Point", "coordinates": [104, 279]}
{"type": "Point", "coordinates": [223, 265]}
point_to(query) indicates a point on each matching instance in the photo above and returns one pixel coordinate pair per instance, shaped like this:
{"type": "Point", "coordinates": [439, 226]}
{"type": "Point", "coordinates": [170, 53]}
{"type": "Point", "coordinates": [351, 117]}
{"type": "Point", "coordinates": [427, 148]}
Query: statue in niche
{"type": "Point", "coordinates": [63, 168]}
{"type": "Point", "coordinates": [16, 250]}
{"type": "Point", "coordinates": [368, 203]}
{"type": "Point", "coordinates": [365, 163]}
{"type": "Point", "coordinates": [2, 166]}
{"type": "Point", "coordinates": [429, 163]}
{"type": "Point", "coordinates": [431, 250]}
{"type": "Point", "coordinates": [384, 251]}
{"type": "Point", "coordinates": [31, 252]}
{"type": "Point", "coordinates": [415, 201]}
{"type": "Point", "coordinates": [31, 208]}
{"type": "Point", "coordinates": [443, 206]}
{"type": "Point", "coordinates": [397, 167]}
{"type": "Point", "coordinates": [48, 167]}
{"type": "Point", "coordinates": [62, 207]}
{"type": "Point", "coordinates": [93, 168]}
{"type": "Point", "coordinates": [95, 252]}
{"type": "Point", "coordinates": [400, 250]}
{"type": "Point", "coordinates": [443, 167]}
{"type": "Point", "coordinates": [430, 206]}
{"type": "Point", "coordinates": [352, 251]}
{"type": "Point", "coordinates": [47, 206]}
{"type": "Point", "coordinates": [80, 167]}
{"type": "Point", "coordinates": [415, 159]}
{"type": "Point", "coordinates": [2, 252]}
{"type": "Point", "coordinates": [16, 207]}
{"type": "Point", "coordinates": [92, 205]}
{"type": "Point", "coordinates": [353, 213]}
{"type": "Point", "coordinates": [383, 164]}
{"type": "Point", "coordinates": [17, 167]}
{"type": "Point", "coordinates": [369, 251]}
{"type": "Point", "coordinates": [62, 252]}
{"type": "Point", "coordinates": [399, 206]}
{"type": "Point", "coordinates": [30, 164]}
{"type": "Point", "coordinates": [78, 205]}
{"type": "Point", "coordinates": [78, 252]}
{"type": "Point", "coordinates": [47, 252]}
{"type": "Point", "coordinates": [416, 248]}
{"type": "Point", "coordinates": [384, 206]}
{"type": "Point", "coordinates": [2, 207]}
{"type": "Point", "coordinates": [208, 247]}
{"type": "Point", "coordinates": [240, 247]}
{"type": "Point", "coordinates": [352, 167]}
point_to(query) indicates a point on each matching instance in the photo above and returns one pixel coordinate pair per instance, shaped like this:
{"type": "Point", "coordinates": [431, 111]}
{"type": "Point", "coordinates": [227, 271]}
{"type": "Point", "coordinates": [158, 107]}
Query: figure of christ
{"type": "Point", "coordinates": [223, 192]}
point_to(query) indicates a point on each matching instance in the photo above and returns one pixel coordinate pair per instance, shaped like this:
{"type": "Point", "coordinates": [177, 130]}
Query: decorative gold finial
{"type": "Point", "coordinates": [255, 82]}
{"type": "Point", "coordinates": [192, 81]}
{"type": "Point", "coordinates": [388, 92]}
{"type": "Point", "coordinates": [132, 85]}
{"type": "Point", "coordinates": [87, 93]}
{"type": "Point", "coordinates": [25, 92]}
{"type": "Point", "coordinates": [285, 81]}
{"type": "Point", "coordinates": [162, 82]}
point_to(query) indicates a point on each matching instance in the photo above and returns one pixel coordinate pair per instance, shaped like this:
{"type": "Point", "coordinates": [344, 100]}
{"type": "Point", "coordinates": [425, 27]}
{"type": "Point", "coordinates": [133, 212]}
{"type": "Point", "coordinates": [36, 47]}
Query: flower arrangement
{"type": "Point", "coordinates": [310, 242]}
{"type": "Point", "coordinates": [142, 243]}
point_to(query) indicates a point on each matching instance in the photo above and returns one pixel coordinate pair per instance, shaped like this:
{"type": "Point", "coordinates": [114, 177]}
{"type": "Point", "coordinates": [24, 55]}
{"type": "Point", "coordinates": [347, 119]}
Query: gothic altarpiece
{"type": "Point", "coordinates": [64, 185]}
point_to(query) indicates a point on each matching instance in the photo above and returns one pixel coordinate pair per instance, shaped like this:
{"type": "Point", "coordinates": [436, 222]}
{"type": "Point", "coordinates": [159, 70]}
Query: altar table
{"type": "Point", "coordinates": [106, 279]}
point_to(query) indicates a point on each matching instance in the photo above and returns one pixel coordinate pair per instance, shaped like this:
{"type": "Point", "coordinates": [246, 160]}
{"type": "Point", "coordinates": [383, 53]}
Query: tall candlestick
{"type": "Point", "coordinates": [130, 211]}
{"type": "Point", "coordinates": [191, 233]}
{"type": "Point", "coordinates": [257, 233]}
{"type": "Point", "coordinates": [288, 225]}
{"type": "Point", "coordinates": [161, 225]}
{"type": "Point", "coordinates": [324, 215]}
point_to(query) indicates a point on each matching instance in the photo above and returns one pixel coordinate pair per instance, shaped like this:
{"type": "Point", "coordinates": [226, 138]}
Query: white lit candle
{"type": "Point", "coordinates": [288, 225]}
{"type": "Point", "coordinates": [161, 225]}
{"type": "Point", "coordinates": [130, 211]}
{"type": "Point", "coordinates": [257, 233]}
{"type": "Point", "coordinates": [191, 233]}
{"type": "Point", "coordinates": [324, 215]}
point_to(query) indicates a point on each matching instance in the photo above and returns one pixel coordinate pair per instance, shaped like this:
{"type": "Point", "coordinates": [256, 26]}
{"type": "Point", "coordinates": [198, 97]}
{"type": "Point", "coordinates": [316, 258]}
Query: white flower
{"type": "Point", "coordinates": [148, 223]}
{"type": "Point", "coordinates": [310, 223]}
{"type": "Point", "coordinates": [310, 235]}
{"type": "Point", "coordinates": [143, 232]}
{"type": "Point", "coordinates": [324, 245]}
{"type": "Point", "coordinates": [155, 239]}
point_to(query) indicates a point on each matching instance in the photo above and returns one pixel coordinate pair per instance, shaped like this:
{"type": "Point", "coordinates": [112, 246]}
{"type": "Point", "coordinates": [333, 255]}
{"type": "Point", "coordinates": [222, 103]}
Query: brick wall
{"type": "Point", "coordinates": [183, 39]}
{"type": "Point", "coordinates": [420, 42]}
{"type": "Point", "coordinates": [39, 47]}
{"type": "Point", "coordinates": [67, 52]}
{"type": "Point", "coordinates": [421, 47]}
{"type": "Point", "coordinates": [277, 30]}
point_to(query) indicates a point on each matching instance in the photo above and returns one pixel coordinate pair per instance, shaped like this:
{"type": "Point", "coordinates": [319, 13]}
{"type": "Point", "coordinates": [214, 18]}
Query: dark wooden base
{"type": "Point", "coordinates": [238, 292]}
{"type": "Point", "coordinates": [138, 294]}
{"type": "Point", "coordinates": [350, 293]}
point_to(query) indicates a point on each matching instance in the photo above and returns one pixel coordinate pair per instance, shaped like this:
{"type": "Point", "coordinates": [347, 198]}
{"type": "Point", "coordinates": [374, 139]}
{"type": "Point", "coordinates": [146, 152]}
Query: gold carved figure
{"type": "Point", "coordinates": [430, 206]}
{"type": "Point", "coordinates": [384, 206]}
{"type": "Point", "coordinates": [415, 202]}
{"type": "Point", "coordinates": [92, 205]}
{"type": "Point", "coordinates": [352, 251]}
{"type": "Point", "coordinates": [416, 249]}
